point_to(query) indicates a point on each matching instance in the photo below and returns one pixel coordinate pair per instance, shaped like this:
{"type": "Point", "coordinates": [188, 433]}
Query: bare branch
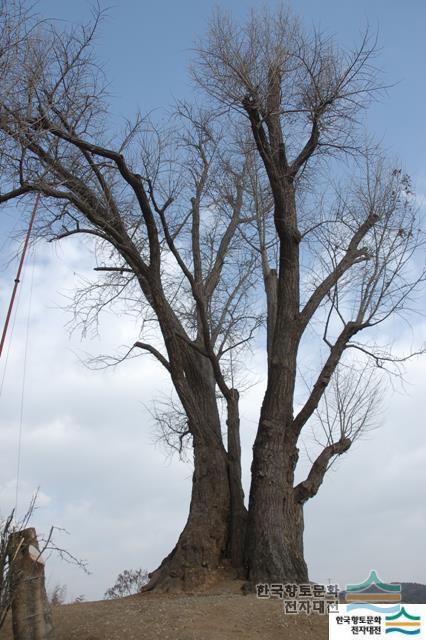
{"type": "Point", "coordinates": [309, 487]}
{"type": "Point", "coordinates": [147, 347]}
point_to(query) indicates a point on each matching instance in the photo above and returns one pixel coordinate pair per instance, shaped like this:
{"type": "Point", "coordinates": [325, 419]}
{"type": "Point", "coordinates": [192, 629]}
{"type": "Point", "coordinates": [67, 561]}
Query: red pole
{"type": "Point", "coordinates": [18, 275]}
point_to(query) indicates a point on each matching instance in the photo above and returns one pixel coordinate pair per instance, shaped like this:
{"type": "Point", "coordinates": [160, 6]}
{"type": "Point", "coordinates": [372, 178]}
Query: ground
{"type": "Point", "coordinates": [222, 614]}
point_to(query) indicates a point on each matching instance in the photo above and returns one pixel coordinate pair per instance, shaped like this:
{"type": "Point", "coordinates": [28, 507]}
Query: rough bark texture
{"type": "Point", "coordinates": [278, 554]}
{"type": "Point", "coordinates": [275, 529]}
{"type": "Point", "coordinates": [238, 515]}
{"type": "Point", "coordinates": [30, 608]}
{"type": "Point", "coordinates": [271, 302]}
{"type": "Point", "coordinates": [201, 547]}
{"type": "Point", "coordinates": [213, 534]}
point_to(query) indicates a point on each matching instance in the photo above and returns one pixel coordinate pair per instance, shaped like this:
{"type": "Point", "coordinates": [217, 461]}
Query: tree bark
{"type": "Point", "coordinates": [31, 619]}
{"type": "Point", "coordinates": [201, 548]}
{"type": "Point", "coordinates": [213, 537]}
{"type": "Point", "coordinates": [238, 516]}
{"type": "Point", "coordinates": [275, 529]}
{"type": "Point", "coordinates": [271, 283]}
{"type": "Point", "coordinates": [275, 524]}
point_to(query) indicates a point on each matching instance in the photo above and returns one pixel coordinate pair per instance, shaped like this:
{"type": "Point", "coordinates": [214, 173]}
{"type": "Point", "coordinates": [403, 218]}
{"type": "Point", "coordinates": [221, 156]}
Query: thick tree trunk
{"type": "Point", "coordinates": [201, 548]}
{"type": "Point", "coordinates": [275, 523]}
{"type": "Point", "coordinates": [279, 554]}
{"type": "Point", "coordinates": [275, 526]}
{"type": "Point", "coordinates": [212, 539]}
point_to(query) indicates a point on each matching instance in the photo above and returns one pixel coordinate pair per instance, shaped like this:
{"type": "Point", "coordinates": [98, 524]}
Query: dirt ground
{"type": "Point", "coordinates": [209, 616]}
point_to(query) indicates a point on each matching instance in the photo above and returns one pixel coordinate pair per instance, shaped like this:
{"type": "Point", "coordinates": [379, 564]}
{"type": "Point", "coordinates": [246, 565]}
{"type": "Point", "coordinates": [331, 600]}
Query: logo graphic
{"type": "Point", "coordinates": [408, 625]}
{"type": "Point", "coordinates": [367, 595]}
{"type": "Point", "coordinates": [378, 611]}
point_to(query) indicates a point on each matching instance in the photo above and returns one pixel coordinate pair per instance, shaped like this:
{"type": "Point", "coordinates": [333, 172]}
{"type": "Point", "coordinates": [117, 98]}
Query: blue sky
{"type": "Point", "coordinates": [147, 47]}
{"type": "Point", "coordinates": [87, 440]}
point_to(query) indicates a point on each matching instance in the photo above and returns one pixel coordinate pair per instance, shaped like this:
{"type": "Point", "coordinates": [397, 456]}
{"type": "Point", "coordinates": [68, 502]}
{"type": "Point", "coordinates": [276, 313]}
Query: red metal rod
{"type": "Point", "coordinates": [18, 275]}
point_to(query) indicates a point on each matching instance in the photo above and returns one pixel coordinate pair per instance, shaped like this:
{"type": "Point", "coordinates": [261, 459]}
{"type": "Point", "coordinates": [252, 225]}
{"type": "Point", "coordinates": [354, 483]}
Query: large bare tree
{"type": "Point", "coordinates": [193, 222]}
{"type": "Point", "coordinates": [347, 262]}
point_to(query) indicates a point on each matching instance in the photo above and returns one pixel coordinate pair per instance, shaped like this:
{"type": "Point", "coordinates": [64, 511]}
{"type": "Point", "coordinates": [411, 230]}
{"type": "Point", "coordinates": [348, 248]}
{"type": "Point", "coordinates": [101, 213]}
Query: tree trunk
{"type": "Point", "coordinates": [211, 539]}
{"type": "Point", "coordinates": [275, 526]}
{"type": "Point", "coordinates": [271, 291]}
{"type": "Point", "coordinates": [201, 548]}
{"type": "Point", "coordinates": [31, 618]}
{"type": "Point", "coordinates": [238, 517]}
{"type": "Point", "coordinates": [275, 523]}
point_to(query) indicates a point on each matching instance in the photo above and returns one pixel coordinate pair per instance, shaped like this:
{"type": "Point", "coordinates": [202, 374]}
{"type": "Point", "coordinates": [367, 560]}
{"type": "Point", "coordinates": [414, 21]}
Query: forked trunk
{"type": "Point", "coordinates": [212, 539]}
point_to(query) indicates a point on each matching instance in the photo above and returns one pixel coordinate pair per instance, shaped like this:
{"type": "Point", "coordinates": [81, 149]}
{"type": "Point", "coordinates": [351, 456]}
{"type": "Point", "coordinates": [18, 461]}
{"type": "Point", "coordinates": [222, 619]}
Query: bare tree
{"type": "Point", "coordinates": [187, 224]}
{"type": "Point", "coordinates": [347, 262]}
{"type": "Point", "coordinates": [58, 595]}
{"type": "Point", "coordinates": [128, 583]}
{"type": "Point", "coordinates": [165, 208]}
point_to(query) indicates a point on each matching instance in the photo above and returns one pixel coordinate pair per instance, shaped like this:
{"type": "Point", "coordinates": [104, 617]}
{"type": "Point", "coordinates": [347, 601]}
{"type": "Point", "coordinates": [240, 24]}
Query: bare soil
{"type": "Point", "coordinates": [225, 614]}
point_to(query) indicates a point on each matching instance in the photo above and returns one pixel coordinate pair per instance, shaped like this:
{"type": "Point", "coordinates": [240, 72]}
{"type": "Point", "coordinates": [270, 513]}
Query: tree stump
{"type": "Point", "coordinates": [31, 617]}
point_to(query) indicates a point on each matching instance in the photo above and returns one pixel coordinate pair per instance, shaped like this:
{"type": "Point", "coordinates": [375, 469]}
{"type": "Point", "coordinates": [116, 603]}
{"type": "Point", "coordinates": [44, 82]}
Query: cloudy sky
{"type": "Point", "coordinates": [87, 437]}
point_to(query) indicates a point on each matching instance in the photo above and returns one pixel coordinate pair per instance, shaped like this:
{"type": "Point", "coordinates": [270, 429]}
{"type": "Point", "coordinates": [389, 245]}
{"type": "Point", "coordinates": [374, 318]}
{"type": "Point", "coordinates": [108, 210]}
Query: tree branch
{"type": "Point", "coordinates": [147, 347]}
{"type": "Point", "coordinates": [307, 150]}
{"type": "Point", "coordinates": [119, 269]}
{"type": "Point", "coordinates": [324, 377]}
{"type": "Point", "coordinates": [309, 487]}
{"type": "Point", "coordinates": [15, 193]}
{"type": "Point", "coordinates": [352, 255]}
{"type": "Point", "coordinates": [134, 180]}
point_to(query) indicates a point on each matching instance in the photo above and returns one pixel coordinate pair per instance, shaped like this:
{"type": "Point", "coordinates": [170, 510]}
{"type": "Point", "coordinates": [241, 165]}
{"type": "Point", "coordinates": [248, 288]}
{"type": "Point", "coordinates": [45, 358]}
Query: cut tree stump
{"type": "Point", "coordinates": [31, 618]}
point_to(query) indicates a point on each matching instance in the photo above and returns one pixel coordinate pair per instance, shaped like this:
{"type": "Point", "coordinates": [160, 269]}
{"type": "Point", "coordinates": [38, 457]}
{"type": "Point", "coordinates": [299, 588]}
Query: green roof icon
{"type": "Point", "coordinates": [375, 581]}
{"type": "Point", "coordinates": [403, 614]}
